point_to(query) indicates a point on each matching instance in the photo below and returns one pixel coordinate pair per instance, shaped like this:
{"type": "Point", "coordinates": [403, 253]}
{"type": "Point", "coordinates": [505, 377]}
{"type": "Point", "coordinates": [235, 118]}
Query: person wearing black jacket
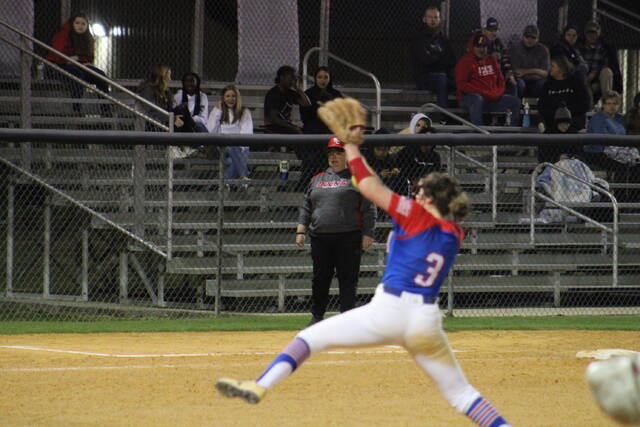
{"type": "Point", "coordinates": [313, 158]}
{"type": "Point", "coordinates": [550, 152]}
{"type": "Point", "coordinates": [567, 46]}
{"type": "Point", "coordinates": [564, 88]}
{"type": "Point", "coordinates": [433, 57]}
{"type": "Point", "coordinates": [604, 69]}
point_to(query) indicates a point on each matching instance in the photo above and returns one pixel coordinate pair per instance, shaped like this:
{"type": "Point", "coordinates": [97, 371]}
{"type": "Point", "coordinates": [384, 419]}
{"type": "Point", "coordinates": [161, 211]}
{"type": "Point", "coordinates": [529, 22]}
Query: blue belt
{"type": "Point", "coordinates": [428, 299]}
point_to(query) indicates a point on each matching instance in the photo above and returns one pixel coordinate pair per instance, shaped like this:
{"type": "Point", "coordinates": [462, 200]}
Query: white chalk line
{"type": "Point", "coordinates": [189, 366]}
{"type": "Point", "coordinates": [242, 353]}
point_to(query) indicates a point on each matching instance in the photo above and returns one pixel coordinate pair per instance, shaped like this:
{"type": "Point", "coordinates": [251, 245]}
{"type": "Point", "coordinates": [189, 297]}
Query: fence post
{"type": "Point", "coordinates": [25, 99]}
{"type": "Point", "coordinates": [65, 11]}
{"type": "Point", "coordinates": [220, 148]}
{"type": "Point", "coordinates": [198, 37]}
{"type": "Point", "coordinates": [325, 7]}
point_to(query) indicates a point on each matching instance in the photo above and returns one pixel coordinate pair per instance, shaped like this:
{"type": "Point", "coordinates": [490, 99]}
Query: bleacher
{"type": "Point", "coordinates": [259, 257]}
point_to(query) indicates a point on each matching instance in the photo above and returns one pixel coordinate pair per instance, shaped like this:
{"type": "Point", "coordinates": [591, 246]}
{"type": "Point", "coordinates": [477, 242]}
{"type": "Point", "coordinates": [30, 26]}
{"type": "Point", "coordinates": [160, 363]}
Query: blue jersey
{"type": "Point", "coordinates": [421, 248]}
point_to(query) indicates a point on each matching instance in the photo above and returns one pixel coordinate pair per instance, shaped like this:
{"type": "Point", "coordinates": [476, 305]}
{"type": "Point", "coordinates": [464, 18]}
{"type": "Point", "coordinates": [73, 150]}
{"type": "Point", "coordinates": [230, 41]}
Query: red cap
{"type": "Point", "coordinates": [335, 143]}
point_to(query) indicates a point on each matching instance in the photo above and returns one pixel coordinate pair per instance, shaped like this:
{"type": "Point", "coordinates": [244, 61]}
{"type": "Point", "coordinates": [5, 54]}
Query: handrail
{"type": "Point", "coordinates": [87, 69]}
{"type": "Point", "coordinates": [494, 154]}
{"type": "Point", "coordinates": [376, 82]}
{"type": "Point", "coordinates": [619, 8]}
{"type": "Point", "coordinates": [613, 231]}
{"type": "Point", "coordinates": [618, 20]}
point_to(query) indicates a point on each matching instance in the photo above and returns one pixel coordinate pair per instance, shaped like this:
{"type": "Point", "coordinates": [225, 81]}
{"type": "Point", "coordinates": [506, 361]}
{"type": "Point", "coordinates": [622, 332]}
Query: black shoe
{"type": "Point", "coordinates": [314, 320]}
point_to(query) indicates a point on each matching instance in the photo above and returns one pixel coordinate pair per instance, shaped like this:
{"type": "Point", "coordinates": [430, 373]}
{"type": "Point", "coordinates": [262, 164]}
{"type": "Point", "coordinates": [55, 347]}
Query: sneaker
{"type": "Point", "coordinates": [250, 391]}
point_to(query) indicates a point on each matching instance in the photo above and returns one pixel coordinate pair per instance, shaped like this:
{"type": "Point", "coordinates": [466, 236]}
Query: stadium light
{"type": "Point", "coordinates": [98, 30]}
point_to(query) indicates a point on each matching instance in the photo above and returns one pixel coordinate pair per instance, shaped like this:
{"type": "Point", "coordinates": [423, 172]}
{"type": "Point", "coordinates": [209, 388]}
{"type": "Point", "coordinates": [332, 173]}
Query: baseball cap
{"type": "Point", "coordinates": [480, 40]}
{"type": "Point", "coordinates": [592, 26]}
{"type": "Point", "coordinates": [492, 24]}
{"type": "Point", "coordinates": [531, 30]}
{"type": "Point", "coordinates": [335, 143]}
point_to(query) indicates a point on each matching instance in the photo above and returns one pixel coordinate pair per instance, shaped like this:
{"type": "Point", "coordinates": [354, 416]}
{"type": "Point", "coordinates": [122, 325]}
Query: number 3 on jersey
{"type": "Point", "coordinates": [435, 261]}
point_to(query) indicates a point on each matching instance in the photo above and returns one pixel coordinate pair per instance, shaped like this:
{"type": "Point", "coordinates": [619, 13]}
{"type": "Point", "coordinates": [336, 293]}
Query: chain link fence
{"type": "Point", "coordinates": [113, 228]}
{"type": "Point", "coordinates": [126, 231]}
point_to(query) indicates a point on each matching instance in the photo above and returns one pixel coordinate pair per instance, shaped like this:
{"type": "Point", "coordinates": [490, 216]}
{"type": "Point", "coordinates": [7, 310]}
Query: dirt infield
{"type": "Point", "coordinates": [533, 377]}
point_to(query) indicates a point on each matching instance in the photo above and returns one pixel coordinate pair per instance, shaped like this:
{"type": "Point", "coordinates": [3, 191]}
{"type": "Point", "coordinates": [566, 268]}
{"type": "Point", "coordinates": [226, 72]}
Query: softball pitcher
{"type": "Point", "coordinates": [404, 310]}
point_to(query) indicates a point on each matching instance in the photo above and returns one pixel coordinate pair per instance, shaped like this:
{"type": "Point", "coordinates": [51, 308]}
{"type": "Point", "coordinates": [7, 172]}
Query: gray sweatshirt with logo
{"type": "Point", "coordinates": [332, 205]}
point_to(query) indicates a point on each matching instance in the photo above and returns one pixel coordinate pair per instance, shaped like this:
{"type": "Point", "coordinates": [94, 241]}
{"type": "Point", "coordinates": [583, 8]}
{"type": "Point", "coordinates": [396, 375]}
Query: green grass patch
{"type": "Point", "coordinates": [297, 322]}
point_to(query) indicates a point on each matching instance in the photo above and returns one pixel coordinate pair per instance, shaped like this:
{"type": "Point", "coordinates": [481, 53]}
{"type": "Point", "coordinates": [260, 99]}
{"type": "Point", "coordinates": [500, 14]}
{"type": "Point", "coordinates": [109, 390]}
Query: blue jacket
{"type": "Point", "coordinates": [601, 123]}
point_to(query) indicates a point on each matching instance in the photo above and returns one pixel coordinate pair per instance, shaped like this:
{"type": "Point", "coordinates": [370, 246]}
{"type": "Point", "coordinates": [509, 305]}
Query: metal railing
{"type": "Point", "coordinates": [48, 48]}
{"type": "Point", "coordinates": [494, 155]}
{"type": "Point", "coordinates": [613, 229]}
{"type": "Point", "coordinates": [377, 110]}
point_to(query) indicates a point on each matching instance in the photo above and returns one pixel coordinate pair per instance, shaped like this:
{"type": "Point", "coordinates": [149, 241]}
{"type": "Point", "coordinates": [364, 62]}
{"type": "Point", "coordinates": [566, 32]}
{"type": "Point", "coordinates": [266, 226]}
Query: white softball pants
{"type": "Point", "coordinates": [405, 321]}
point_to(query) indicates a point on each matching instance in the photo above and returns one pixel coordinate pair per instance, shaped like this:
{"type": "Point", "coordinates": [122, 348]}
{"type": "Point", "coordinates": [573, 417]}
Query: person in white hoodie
{"type": "Point", "coordinates": [228, 116]}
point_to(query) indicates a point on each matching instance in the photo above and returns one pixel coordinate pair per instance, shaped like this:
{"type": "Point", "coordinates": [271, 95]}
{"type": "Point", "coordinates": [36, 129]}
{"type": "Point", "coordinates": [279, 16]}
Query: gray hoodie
{"type": "Point", "coordinates": [333, 205]}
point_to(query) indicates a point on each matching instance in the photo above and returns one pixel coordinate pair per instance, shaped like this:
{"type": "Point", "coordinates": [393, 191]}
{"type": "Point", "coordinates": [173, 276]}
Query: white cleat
{"type": "Point", "coordinates": [250, 391]}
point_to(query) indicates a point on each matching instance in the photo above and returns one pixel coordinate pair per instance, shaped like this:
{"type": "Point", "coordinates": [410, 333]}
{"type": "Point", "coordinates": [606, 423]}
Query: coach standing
{"type": "Point", "coordinates": [340, 223]}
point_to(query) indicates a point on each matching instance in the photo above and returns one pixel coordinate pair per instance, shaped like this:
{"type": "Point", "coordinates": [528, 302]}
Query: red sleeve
{"type": "Point", "coordinates": [409, 215]}
{"type": "Point", "coordinates": [61, 43]}
{"type": "Point", "coordinates": [462, 71]}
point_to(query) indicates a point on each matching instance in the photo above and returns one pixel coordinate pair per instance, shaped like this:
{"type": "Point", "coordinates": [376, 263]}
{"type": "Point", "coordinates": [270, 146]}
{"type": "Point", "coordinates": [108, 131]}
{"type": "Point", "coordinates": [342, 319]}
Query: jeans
{"type": "Point", "coordinates": [476, 105]}
{"type": "Point", "coordinates": [435, 82]}
{"type": "Point", "coordinates": [236, 160]}
{"type": "Point", "coordinates": [530, 88]}
{"type": "Point", "coordinates": [76, 88]}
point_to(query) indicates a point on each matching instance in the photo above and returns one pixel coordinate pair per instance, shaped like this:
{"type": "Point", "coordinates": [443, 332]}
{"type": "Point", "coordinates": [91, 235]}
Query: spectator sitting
{"type": "Point", "coordinates": [155, 89]}
{"type": "Point", "coordinates": [321, 92]}
{"type": "Point", "coordinates": [312, 156]}
{"type": "Point", "coordinates": [192, 104]}
{"type": "Point", "coordinates": [480, 83]}
{"type": "Point", "coordinates": [386, 165]}
{"type": "Point", "coordinates": [499, 51]}
{"type": "Point", "coordinates": [616, 160]}
{"type": "Point", "coordinates": [433, 57]}
{"type": "Point", "coordinates": [563, 87]}
{"type": "Point", "coordinates": [530, 62]}
{"type": "Point", "coordinates": [229, 116]}
{"type": "Point", "coordinates": [75, 40]}
{"type": "Point", "coordinates": [279, 102]}
{"type": "Point", "coordinates": [562, 124]}
{"type": "Point", "coordinates": [604, 70]}
{"type": "Point", "coordinates": [632, 118]}
{"type": "Point", "coordinates": [567, 46]}
{"type": "Point", "coordinates": [420, 123]}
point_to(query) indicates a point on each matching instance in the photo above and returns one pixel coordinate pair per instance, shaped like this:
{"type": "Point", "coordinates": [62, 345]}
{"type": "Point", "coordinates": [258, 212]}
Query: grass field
{"type": "Point", "coordinates": [293, 323]}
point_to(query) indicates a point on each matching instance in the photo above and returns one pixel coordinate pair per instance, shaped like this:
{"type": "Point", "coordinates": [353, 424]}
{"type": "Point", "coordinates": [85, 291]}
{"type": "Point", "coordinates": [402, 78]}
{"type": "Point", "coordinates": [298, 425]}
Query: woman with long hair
{"type": "Point", "coordinates": [229, 116]}
{"type": "Point", "coordinates": [76, 41]}
{"type": "Point", "coordinates": [155, 89]}
{"type": "Point", "coordinates": [422, 249]}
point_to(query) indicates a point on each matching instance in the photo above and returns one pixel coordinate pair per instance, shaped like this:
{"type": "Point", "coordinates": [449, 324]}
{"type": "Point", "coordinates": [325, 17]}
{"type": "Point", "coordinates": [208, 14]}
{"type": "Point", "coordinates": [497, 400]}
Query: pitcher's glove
{"type": "Point", "coordinates": [345, 117]}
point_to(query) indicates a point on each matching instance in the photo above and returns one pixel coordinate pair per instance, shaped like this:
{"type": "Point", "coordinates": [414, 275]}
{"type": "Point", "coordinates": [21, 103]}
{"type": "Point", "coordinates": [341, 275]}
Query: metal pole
{"type": "Point", "coordinates": [325, 6]}
{"type": "Point", "coordinates": [170, 193]}
{"type": "Point", "coordinates": [10, 231]}
{"type": "Point", "coordinates": [220, 226]}
{"type": "Point", "coordinates": [46, 252]}
{"type": "Point", "coordinates": [563, 14]}
{"type": "Point", "coordinates": [594, 8]}
{"type": "Point", "coordinates": [198, 37]}
{"type": "Point", "coordinates": [65, 10]}
{"type": "Point", "coordinates": [25, 98]}
{"type": "Point", "coordinates": [445, 12]}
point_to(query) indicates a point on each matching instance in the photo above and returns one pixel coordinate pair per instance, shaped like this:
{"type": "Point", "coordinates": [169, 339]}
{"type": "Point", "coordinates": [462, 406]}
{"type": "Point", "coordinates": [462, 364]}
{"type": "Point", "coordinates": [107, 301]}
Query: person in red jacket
{"type": "Point", "coordinates": [480, 83]}
{"type": "Point", "coordinates": [75, 40]}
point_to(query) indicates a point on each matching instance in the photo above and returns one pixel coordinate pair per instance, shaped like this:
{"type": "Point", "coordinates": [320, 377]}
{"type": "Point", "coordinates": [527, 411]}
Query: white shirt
{"type": "Point", "coordinates": [191, 104]}
{"type": "Point", "coordinates": [244, 125]}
